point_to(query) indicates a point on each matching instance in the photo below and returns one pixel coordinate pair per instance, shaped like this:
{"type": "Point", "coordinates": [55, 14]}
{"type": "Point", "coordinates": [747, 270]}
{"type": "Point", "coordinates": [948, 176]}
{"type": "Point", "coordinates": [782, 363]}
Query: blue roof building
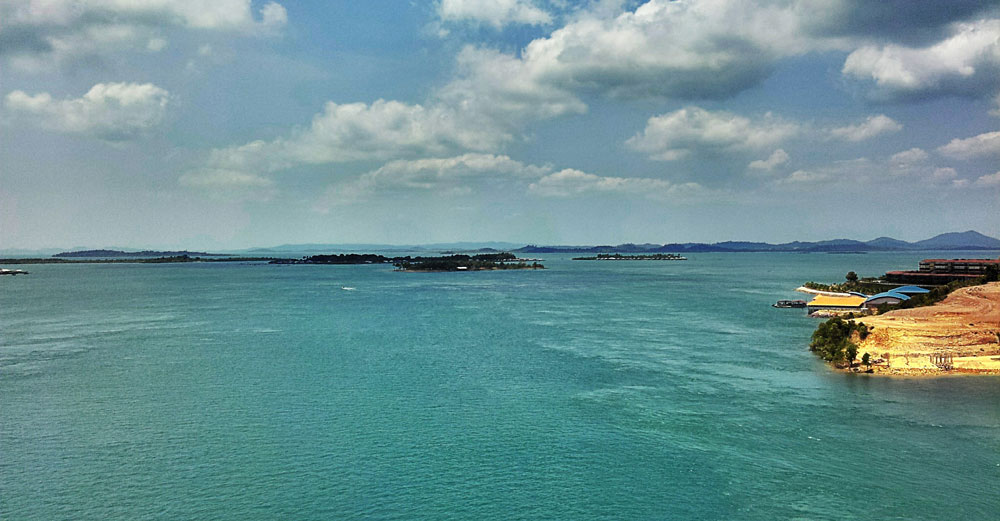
{"type": "Point", "coordinates": [887, 297]}
{"type": "Point", "coordinates": [909, 290]}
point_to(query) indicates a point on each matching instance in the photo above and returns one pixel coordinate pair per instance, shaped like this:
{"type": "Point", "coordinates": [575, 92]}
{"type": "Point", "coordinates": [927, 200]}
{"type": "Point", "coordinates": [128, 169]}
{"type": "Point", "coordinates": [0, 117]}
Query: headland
{"type": "Point", "coordinates": [960, 334]}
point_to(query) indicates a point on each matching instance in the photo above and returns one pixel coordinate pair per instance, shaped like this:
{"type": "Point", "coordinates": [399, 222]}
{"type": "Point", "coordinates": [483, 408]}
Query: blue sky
{"type": "Point", "coordinates": [233, 124]}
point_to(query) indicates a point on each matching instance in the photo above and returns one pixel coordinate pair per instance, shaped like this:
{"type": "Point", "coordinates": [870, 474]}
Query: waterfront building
{"type": "Point", "coordinates": [836, 303]}
{"type": "Point", "coordinates": [943, 271]}
{"type": "Point", "coordinates": [888, 297]}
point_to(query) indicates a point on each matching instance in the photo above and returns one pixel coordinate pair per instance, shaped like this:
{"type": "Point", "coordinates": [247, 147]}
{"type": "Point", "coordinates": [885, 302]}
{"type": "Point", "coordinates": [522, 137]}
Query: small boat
{"type": "Point", "coordinates": [789, 304]}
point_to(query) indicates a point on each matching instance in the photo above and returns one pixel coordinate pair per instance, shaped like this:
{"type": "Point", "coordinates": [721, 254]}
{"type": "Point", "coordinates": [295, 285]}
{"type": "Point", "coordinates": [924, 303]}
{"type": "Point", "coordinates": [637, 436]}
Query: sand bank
{"type": "Point", "coordinates": [965, 326]}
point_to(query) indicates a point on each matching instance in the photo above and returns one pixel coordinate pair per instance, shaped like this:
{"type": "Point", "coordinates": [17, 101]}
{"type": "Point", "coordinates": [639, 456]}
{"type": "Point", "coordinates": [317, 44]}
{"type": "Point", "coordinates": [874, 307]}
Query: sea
{"type": "Point", "coordinates": [591, 390]}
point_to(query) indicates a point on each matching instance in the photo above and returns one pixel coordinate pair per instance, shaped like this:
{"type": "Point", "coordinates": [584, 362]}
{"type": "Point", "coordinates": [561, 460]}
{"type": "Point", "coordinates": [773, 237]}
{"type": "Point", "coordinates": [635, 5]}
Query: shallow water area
{"type": "Point", "coordinates": [589, 390]}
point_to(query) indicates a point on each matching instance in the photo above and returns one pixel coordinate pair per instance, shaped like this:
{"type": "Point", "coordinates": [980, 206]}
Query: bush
{"type": "Point", "coordinates": [832, 340]}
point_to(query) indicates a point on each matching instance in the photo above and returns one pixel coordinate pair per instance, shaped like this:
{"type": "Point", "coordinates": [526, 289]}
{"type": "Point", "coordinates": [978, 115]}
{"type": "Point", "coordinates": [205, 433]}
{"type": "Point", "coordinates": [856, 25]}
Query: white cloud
{"type": "Point", "coordinates": [675, 135]}
{"type": "Point", "coordinates": [909, 157]}
{"type": "Point", "coordinates": [495, 13]}
{"type": "Point", "coordinates": [502, 88]}
{"type": "Point", "coordinates": [665, 48]}
{"type": "Point", "coordinates": [869, 128]}
{"type": "Point", "coordinates": [778, 157]}
{"type": "Point", "coordinates": [573, 183]}
{"type": "Point", "coordinates": [697, 49]}
{"type": "Point", "coordinates": [990, 180]}
{"type": "Point", "coordinates": [37, 34]}
{"type": "Point", "coordinates": [987, 144]}
{"type": "Point", "coordinates": [943, 174]}
{"type": "Point", "coordinates": [442, 176]}
{"type": "Point", "coordinates": [359, 131]}
{"type": "Point", "coordinates": [229, 185]}
{"type": "Point", "coordinates": [110, 111]}
{"type": "Point", "coordinates": [967, 59]}
{"type": "Point", "coordinates": [224, 179]}
{"type": "Point", "coordinates": [802, 177]}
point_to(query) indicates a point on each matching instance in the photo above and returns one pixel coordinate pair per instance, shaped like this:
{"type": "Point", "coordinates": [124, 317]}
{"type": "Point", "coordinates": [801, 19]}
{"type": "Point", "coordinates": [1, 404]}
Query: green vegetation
{"type": "Point", "coordinates": [347, 258]}
{"type": "Point", "coordinates": [868, 285]}
{"type": "Point", "coordinates": [833, 340]}
{"type": "Point", "coordinates": [487, 261]}
{"type": "Point", "coordinates": [134, 260]}
{"type": "Point", "coordinates": [619, 256]}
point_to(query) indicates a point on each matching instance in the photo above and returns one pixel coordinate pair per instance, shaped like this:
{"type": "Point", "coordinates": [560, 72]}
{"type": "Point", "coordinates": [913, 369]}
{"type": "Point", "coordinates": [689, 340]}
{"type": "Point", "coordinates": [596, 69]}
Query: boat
{"type": "Point", "coordinates": [789, 304]}
{"type": "Point", "coordinates": [4, 271]}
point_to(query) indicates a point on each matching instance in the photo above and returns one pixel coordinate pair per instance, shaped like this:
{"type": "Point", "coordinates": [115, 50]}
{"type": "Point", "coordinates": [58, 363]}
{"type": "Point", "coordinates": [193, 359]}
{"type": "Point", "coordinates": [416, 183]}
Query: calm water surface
{"type": "Point", "coordinates": [591, 390]}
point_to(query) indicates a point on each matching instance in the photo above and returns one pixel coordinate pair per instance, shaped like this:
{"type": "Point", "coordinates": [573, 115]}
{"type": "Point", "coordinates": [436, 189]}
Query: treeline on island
{"type": "Point", "coordinates": [619, 256]}
{"type": "Point", "coordinates": [456, 262]}
{"type": "Point", "coordinates": [133, 260]}
{"type": "Point", "coordinates": [460, 262]}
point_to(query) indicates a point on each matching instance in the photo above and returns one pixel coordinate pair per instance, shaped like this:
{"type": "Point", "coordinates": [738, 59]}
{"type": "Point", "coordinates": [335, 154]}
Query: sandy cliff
{"type": "Point", "coordinates": [964, 326]}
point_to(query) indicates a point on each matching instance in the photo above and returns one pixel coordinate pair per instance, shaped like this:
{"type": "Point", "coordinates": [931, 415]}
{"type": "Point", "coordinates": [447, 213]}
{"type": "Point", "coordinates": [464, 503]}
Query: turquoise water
{"type": "Point", "coordinates": [591, 390]}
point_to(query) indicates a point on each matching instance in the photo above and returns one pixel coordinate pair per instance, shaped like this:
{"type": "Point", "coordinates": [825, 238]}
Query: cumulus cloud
{"type": "Point", "coordinates": [573, 183]}
{"type": "Point", "coordinates": [109, 111]}
{"type": "Point", "coordinates": [909, 157]}
{"type": "Point", "coordinates": [778, 157]}
{"type": "Point", "coordinates": [983, 145]}
{"type": "Point", "coordinates": [471, 173]}
{"type": "Point", "coordinates": [967, 61]}
{"type": "Point", "coordinates": [37, 34]}
{"type": "Point", "coordinates": [913, 165]}
{"type": "Point", "coordinates": [677, 134]}
{"type": "Point", "coordinates": [224, 179]}
{"type": "Point", "coordinates": [495, 13]}
{"type": "Point", "coordinates": [358, 131]}
{"type": "Point", "coordinates": [503, 88]}
{"type": "Point", "coordinates": [442, 176]}
{"type": "Point", "coordinates": [944, 174]}
{"type": "Point", "coordinates": [680, 49]}
{"type": "Point", "coordinates": [990, 180]}
{"type": "Point", "coordinates": [804, 177]}
{"type": "Point", "coordinates": [714, 49]}
{"type": "Point", "coordinates": [869, 128]}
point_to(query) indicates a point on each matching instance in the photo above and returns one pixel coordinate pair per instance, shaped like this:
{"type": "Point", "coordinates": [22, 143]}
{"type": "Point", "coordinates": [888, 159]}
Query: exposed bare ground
{"type": "Point", "coordinates": [965, 325]}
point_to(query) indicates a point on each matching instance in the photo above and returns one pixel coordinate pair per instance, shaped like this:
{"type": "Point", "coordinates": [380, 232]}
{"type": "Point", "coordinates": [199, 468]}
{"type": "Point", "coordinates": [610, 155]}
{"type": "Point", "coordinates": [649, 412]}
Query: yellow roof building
{"type": "Point", "coordinates": [837, 302]}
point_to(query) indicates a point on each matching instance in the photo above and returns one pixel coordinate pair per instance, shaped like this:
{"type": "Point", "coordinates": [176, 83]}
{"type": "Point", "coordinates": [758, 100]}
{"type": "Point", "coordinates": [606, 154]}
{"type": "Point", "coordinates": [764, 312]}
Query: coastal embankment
{"type": "Point", "coordinates": [960, 334]}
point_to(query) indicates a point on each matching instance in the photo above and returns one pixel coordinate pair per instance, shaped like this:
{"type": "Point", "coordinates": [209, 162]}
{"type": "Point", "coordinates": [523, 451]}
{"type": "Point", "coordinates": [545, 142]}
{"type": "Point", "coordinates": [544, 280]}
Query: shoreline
{"type": "Point", "coordinates": [957, 336]}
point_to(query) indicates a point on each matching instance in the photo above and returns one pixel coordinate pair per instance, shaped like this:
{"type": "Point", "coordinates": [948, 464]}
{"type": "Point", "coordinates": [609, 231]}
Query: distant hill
{"type": "Point", "coordinates": [888, 243]}
{"type": "Point", "coordinates": [969, 240]}
{"type": "Point", "coordinates": [367, 247]}
{"type": "Point", "coordinates": [146, 253]}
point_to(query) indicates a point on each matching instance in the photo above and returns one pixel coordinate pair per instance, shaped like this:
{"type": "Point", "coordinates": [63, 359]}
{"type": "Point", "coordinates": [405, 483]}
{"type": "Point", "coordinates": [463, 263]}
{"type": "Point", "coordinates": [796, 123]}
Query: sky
{"type": "Point", "coordinates": [234, 124]}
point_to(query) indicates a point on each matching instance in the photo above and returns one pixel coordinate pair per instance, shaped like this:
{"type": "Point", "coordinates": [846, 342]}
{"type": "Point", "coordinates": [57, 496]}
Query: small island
{"type": "Point", "coordinates": [131, 260]}
{"type": "Point", "coordinates": [454, 262]}
{"type": "Point", "coordinates": [644, 257]}
{"type": "Point", "coordinates": [481, 262]}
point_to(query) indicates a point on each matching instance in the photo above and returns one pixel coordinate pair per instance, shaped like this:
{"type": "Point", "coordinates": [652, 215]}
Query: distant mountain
{"type": "Point", "coordinates": [888, 243]}
{"type": "Point", "coordinates": [146, 253]}
{"type": "Point", "coordinates": [969, 240]}
{"type": "Point", "coordinates": [365, 247]}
